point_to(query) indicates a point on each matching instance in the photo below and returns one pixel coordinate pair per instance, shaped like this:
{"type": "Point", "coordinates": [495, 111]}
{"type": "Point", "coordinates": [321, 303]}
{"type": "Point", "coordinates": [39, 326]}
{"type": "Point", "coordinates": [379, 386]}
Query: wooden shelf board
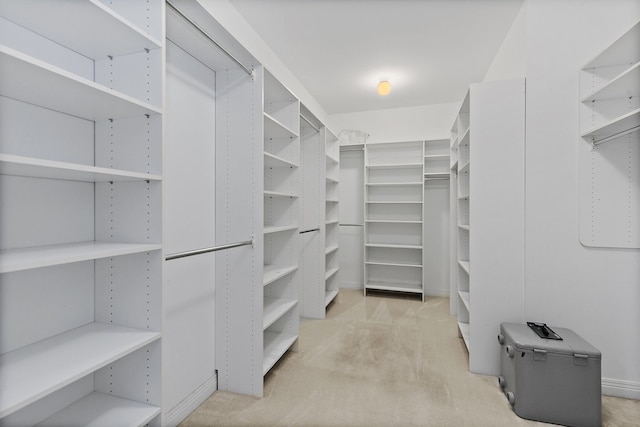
{"type": "Point", "coordinates": [464, 296]}
{"type": "Point", "coordinates": [269, 193]}
{"type": "Point", "coordinates": [102, 410]}
{"type": "Point", "coordinates": [466, 266]}
{"type": "Point", "coordinates": [464, 226]}
{"type": "Point", "coordinates": [330, 249]}
{"type": "Point", "coordinates": [274, 129]}
{"type": "Point", "coordinates": [330, 273]}
{"type": "Point", "coordinates": [392, 221]}
{"type": "Point", "coordinates": [329, 296]}
{"type": "Point", "coordinates": [81, 17]}
{"type": "Point", "coordinates": [398, 287]}
{"type": "Point", "coordinates": [464, 331]}
{"type": "Point", "coordinates": [615, 126]}
{"type": "Point", "coordinates": [45, 256]}
{"type": "Point", "coordinates": [395, 202]}
{"type": "Point", "coordinates": [278, 229]}
{"type": "Point", "coordinates": [41, 168]}
{"type": "Point", "coordinates": [274, 309]}
{"type": "Point", "coordinates": [35, 82]}
{"type": "Point", "coordinates": [397, 166]}
{"type": "Point", "coordinates": [63, 359]}
{"type": "Point", "coordinates": [393, 264]}
{"type": "Point", "coordinates": [276, 344]}
{"type": "Point", "coordinates": [393, 184]}
{"type": "Point", "coordinates": [437, 156]}
{"type": "Point", "coordinates": [625, 85]}
{"type": "Point", "coordinates": [271, 272]}
{"type": "Point", "coordinates": [625, 50]}
{"type": "Point", "coordinates": [385, 245]}
{"type": "Point", "coordinates": [273, 161]}
{"type": "Point", "coordinates": [464, 168]}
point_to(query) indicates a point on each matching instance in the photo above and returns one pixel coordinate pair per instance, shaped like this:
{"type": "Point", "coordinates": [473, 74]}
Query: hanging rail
{"type": "Point", "coordinates": [211, 39]}
{"type": "Point", "coordinates": [616, 135]}
{"type": "Point", "coordinates": [309, 122]}
{"type": "Point", "coordinates": [309, 231]}
{"type": "Point", "coordinates": [207, 250]}
{"type": "Point", "coordinates": [351, 225]}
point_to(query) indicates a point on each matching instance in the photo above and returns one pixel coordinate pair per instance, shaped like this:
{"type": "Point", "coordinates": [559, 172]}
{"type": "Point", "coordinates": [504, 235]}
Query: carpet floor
{"type": "Point", "coordinates": [380, 360]}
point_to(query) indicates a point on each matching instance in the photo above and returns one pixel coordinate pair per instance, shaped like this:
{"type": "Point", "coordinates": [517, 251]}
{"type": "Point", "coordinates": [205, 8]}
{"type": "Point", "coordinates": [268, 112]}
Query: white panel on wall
{"type": "Point", "coordinates": [351, 219]}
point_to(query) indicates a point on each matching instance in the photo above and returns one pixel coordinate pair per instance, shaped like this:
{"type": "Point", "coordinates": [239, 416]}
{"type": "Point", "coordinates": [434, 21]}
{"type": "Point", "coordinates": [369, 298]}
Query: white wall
{"type": "Point", "coordinates": [400, 124]}
{"type": "Point", "coordinates": [511, 60]}
{"type": "Point", "coordinates": [595, 292]}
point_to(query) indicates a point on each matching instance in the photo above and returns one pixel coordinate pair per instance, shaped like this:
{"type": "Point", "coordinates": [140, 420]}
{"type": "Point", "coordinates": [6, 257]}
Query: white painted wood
{"type": "Point", "coordinates": [275, 345]}
{"type": "Point", "coordinates": [62, 359]}
{"type": "Point", "coordinates": [102, 410]}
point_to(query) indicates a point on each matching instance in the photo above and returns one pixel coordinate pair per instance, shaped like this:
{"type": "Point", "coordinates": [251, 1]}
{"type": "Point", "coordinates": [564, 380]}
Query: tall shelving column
{"type": "Point", "coordinates": [281, 216]}
{"type": "Point", "coordinates": [487, 146]}
{"type": "Point", "coordinates": [81, 178]}
{"type": "Point", "coordinates": [608, 153]}
{"type": "Point", "coordinates": [332, 216]}
{"type": "Point", "coordinates": [453, 222]}
{"type": "Point", "coordinates": [394, 188]}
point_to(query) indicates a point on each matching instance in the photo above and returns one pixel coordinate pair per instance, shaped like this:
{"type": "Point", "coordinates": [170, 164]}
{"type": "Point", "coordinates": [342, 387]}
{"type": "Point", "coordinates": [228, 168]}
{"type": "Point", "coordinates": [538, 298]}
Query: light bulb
{"type": "Point", "coordinates": [384, 87]}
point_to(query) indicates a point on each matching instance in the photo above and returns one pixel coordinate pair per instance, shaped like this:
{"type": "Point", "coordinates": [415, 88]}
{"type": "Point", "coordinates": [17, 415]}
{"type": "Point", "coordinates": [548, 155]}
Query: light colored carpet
{"type": "Point", "coordinates": [380, 361]}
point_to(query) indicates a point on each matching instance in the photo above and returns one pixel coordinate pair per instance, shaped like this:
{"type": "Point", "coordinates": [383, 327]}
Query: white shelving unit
{"type": "Point", "coordinates": [393, 217]}
{"type": "Point", "coordinates": [609, 203]}
{"type": "Point", "coordinates": [332, 218]}
{"type": "Point", "coordinates": [487, 216]}
{"type": "Point", "coordinates": [281, 221]}
{"type": "Point", "coordinates": [435, 250]}
{"type": "Point", "coordinates": [80, 246]}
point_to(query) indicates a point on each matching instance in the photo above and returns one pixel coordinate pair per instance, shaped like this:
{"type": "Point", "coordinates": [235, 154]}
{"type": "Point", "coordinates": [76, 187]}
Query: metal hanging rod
{"type": "Point", "coordinates": [309, 231]}
{"type": "Point", "coordinates": [437, 178]}
{"type": "Point", "coordinates": [211, 39]}
{"type": "Point", "coordinates": [616, 135]}
{"type": "Point", "coordinates": [352, 148]}
{"type": "Point", "coordinates": [309, 122]}
{"type": "Point", "coordinates": [207, 250]}
{"type": "Point", "coordinates": [350, 225]}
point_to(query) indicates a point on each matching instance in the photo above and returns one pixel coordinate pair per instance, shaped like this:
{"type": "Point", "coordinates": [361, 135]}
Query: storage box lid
{"type": "Point", "coordinates": [524, 339]}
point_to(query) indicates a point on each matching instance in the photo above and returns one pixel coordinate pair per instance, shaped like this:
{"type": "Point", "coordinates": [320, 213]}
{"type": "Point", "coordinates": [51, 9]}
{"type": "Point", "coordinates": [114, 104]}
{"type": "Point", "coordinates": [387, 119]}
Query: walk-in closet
{"type": "Point", "coordinates": [276, 212]}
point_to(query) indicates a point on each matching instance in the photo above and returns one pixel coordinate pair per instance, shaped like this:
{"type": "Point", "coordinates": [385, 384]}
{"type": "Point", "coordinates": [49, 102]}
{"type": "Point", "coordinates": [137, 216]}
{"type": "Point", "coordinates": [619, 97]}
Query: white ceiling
{"type": "Point", "coordinates": [430, 50]}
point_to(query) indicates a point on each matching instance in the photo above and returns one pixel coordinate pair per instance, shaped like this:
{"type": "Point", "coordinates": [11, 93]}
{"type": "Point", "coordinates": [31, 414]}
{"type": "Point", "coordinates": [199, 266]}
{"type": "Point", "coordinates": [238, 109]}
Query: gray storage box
{"type": "Point", "coordinates": [555, 381]}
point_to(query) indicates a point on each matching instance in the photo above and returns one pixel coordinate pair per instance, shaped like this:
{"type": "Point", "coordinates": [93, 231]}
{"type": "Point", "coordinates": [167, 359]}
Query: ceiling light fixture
{"type": "Point", "coordinates": [384, 87]}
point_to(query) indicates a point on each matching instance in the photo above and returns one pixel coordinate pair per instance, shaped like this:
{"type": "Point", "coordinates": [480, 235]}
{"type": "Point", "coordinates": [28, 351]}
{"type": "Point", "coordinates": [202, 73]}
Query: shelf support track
{"type": "Point", "coordinates": [248, 70]}
{"type": "Point", "coordinates": [207, 250]}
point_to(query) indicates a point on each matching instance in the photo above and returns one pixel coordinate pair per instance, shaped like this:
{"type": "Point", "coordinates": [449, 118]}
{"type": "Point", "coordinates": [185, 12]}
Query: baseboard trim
{"type": "Point", "coordinates": [620, 388]}
{"type": "Point", "coordinates": [178, 413]}
{"type": "Point", "coordinates": [436, 292]}
{"type": "Point", "coordinates": [352, 285]}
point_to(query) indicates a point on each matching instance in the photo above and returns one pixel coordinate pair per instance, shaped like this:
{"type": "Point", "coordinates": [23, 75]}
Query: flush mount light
{"type": "Point", "coordinates": [384, 87]}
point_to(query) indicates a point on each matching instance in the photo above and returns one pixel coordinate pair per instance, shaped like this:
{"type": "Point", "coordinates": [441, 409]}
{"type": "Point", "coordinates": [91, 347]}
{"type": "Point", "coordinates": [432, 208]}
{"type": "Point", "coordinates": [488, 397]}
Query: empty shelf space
{"type": "Point", "coordinates": [63, 359]}
{"type": "Point", "coordinates": [80, 17]}
{"type": "Point", "coordinates": [44, 256]}
{"type": "Point", "coordinates": [393, 264]}
{"type": "Point", "coordinates": [330, 272]}
{"type": "Point", "coordinates": [397, 166]}
{"type": "Point", "coordinates": [273, 161]}
{"type": "Point", "coordinates": [465, 265]}
{"type": "Point", "coordinates": [625, 85]}
{"type": "Point", "coordinates": [275, 345]}
{"type": "Point", "coordinates": [464, 296]}
{"type": "Point", "coordinates": [614, 127]}
{"type": "Point", "coordinates": [329, 296]}
{"type": "Point", "coordinates": [464, 331]}
{"type": "Point", "coordinates": [269, 193]}
{"type": "Point", "coordinates": [278, 229]}
{"type": "Point", "coordinates": [275, 308]}
{"type": "Point", "coordinates": [330, 249]}
{"type": "Point", "coordinates": [398, 287]}
{"type": "Point", "coordinates": [393, 184]}
{"type": "Point", "coordinates": [40, 168]}
{"type": "Point", "coordinates": [102, 410]}
{"type": "Point", "coordinates": [274, 129]}
{"type": "Point", "coordinates": [384, 245]}
{"type": "Point", "coordinates": [56, 89]}
{"type": "Point", "coordinates": [271, 273]}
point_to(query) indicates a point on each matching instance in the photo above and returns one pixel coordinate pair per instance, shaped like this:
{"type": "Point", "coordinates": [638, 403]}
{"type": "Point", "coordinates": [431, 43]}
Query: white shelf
{"type": "Point", "coordinates": [279, 229]}
{"type": "Point", "coordinates": [271, 273]}
{"type": "Point", "coordinates": [273, 161]}
{"type": "Point", "coordinates": [454, 166]}
{"type": "Point", "coordinates": [463, 226]}
{"type": "Point", "coordinates": [332, 201]}
{"type": "Point", "coordinates": [615, 126]}
{"type": "Point", "coordinates": [35, 82]}
{"type": "Point", "coordinates": [437, 156]}
{"type": "Point", "coordinates": [396, 202]}
{"type": "Point", "coordinates": [330, 249]}
{"type": "Point", "coordinates": [330, 273]}
{"type": "Point", "coordinates": [39, 168]}
{"type": "Point", "coordinates": [63, 359]}
{"type": "Point", "coordinates": [102, 410]}
{"type": "Point", "coordinates": [464, 331]}
{"type": "Point", "coordinates": [463, 197]}
{"type": "Point", "coordinates": [441, 175]}
{"type": "Point", "coordinates": [623, 51]}
{"type": "Point", "coordinates": [275, 308]}
{"type": "Point", "coordinates": [402, 287]}
{"type": "Point", "coordinates": [465, 265]}
{"type": "Point", "coordinates": [393, 184]}
{"type": "Point", "coordinates": [44, 256]}
{"type": "Point", "coordinates": [393, 264]}
{"type": "Point", "coordinates": [80, 17]}
{"type": "Point", "coordinates": [333, 180]}
{"type": "Point", "coordinates": [464, 296]}
{"type": "Point", "coordinates": [274, 129]}
{"type": "Point", "coordinates": [329, 296]}
{"type": "Point", "coordinates": [397, 166]}
{"type": "Point", "coordinates": [392, 221]}
{"type": "Point", "coordinates": [464, 140]}
{"type": "Point", "coordinates": [332, 159]}
{"type": "Point", "coordinates": [275, 345]}
{"type": "Point", "coordinates": [269, 193]}
{"type": "Point", "coordinates": [332, 221]}
{"type": "Point", "coordinates": [384, 245]}
{"type": "Point", "coordinates": [625, 85]}
{"type": "Point", "coordinates": [464, 168]}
